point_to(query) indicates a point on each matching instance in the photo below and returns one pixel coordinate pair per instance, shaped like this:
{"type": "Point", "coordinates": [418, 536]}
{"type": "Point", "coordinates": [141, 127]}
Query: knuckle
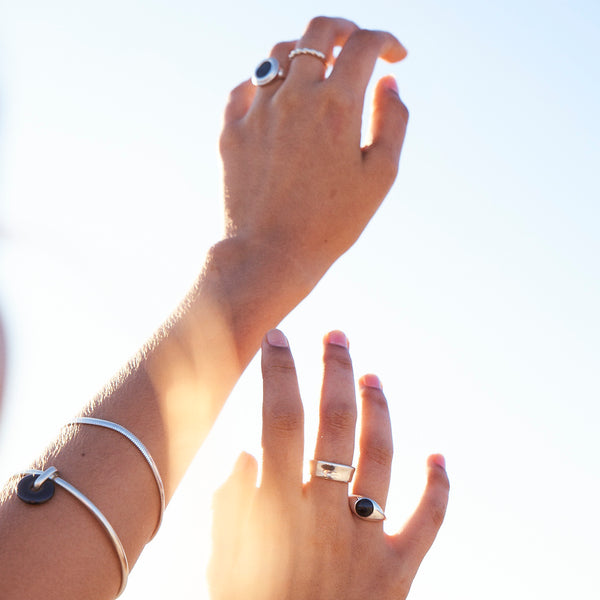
{"type": "Point", "coordinates": [437, 514]}
{"type": "Point", "coordinates": [440, 478]}
{"type": "Point", "coordinates": [379, 452]}
{"type": "Point", "coordinates": [343, 106]}
{"type": "Point", "coordinates": [284, 418]}
{"type": "Point", "coordinates": [342, 100]}
{"type": "Point", "coordinates": [404, 112]}
{"type": "Point", "coordinates": [283, 367]}
{"type": "Point", "coordinates": [366, 37]}
{"type": "Point", "coordinates": [319, 24]}
{"type": "Point", "coordinates": [280, 49]}
{"type": "Point", "coordinates": [338, 358]}
{"type": "Point", "coordinates": [289, 100]}
{"type": "Point", "coordinates": [439, 501]}
{"type": "Point", "coordinates": [338, 417]}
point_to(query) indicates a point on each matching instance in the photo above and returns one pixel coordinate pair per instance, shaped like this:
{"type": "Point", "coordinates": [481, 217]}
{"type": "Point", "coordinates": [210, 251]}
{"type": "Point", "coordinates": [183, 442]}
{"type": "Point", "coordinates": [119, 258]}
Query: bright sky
{"type": "Point", "coordinates": [473, 293]}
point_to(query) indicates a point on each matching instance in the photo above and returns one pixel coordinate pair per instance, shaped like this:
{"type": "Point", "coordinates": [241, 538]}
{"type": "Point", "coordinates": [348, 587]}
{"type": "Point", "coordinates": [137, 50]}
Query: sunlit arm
{"type": "Point", "coordinates": [299, 190]}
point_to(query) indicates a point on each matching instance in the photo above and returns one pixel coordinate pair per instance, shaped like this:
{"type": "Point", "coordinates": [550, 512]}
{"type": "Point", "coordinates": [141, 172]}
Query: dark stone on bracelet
{"type": "Point", "coordinates": [364, 507]}
{"type": "Point", "coordinates": [27, 493]}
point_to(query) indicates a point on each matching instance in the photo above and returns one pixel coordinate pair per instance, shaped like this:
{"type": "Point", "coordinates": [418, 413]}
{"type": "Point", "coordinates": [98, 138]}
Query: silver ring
{"type": "Point", "coordinates": [365, 508]}
{"type": "Point", "coordinates": [331, 471]}
{"type": "Point", "coordinates": [309, 52]}
{"type": "Point", "coordinates": [268, 70]}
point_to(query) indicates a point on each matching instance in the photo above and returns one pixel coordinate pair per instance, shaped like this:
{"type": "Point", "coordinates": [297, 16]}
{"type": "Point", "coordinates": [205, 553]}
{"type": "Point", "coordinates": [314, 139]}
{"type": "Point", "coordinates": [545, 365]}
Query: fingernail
{"type": "Point", "coordinates": [391, 84]}
{"type": "Point", "coordinates": [242, 462]}
{"type": "Point", "coordinates": [370, 381]}
{"type": "Point", "coordinates": [338, 338]}
{"type": "Point", "coordinates": [277, 339]}
{"type": "Point", "coordinates": [439, 460]}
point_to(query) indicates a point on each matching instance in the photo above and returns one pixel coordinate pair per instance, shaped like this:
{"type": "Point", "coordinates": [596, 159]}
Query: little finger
{"type": "Point", "coordinates": [376, 447]}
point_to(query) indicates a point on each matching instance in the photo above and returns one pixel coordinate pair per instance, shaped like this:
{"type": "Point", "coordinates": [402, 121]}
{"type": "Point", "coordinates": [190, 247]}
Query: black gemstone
{"type": "Point", "coordinates": [364, 507]}
{"type": "Point", "coordinates": [263, 69]}
{"type": "Point", "coordinates": [29, 494]}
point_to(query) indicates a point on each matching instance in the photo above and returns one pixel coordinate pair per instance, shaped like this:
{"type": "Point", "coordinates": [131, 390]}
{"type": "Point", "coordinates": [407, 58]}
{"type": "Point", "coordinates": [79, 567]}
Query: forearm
{"type": "Point", "coordinates": [298, 193]}
{"type": "Point", "coordinates": [169, 397]}
{"type": "Point", "coordinates": [194, 362]}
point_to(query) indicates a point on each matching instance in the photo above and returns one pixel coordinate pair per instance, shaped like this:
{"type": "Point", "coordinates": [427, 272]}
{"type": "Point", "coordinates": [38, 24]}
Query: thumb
{"type": "Point", "coordinates": [231, 505]}
{"type": "Point", "coordinates": [388, 128]}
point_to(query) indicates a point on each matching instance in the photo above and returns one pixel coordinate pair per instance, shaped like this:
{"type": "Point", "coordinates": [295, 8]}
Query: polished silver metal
{"type": "Point", "coordinates": [331, 471]}
{"type": "Point", "coordinates": [368, 510]}
{"type": "Point", "coordinates": [143, 450]}
{"type": "Point", "coordinates": [43, 476]}
{"type": "Point", "coordinates": [52, 473]}
{"type": "Point", "coordinates": [309, 52]}
{"type": "Point", "coordinates": [267, 71]}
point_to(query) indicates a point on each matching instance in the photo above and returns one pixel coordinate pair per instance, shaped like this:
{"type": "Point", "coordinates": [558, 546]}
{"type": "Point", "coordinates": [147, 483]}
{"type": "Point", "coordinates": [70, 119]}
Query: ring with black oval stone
{"type": "Point", "coordinates": [268, 70]}
{"type": "Point", "coordinates": [366, 508]}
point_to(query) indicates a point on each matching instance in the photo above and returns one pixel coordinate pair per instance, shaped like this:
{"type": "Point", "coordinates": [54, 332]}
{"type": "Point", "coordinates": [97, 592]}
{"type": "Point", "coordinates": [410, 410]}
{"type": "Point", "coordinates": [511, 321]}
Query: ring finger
{"type": "Point", "coordinates": [376, 449]}
{"type": "Point", "coordinates": [322, 35]}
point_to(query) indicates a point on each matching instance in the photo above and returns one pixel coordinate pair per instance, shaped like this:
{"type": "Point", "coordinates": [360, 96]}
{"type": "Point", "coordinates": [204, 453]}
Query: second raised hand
{"type": "Point", "coordinates": [314, 194]}
{"type": "Point", "coordinates": [300, 541]}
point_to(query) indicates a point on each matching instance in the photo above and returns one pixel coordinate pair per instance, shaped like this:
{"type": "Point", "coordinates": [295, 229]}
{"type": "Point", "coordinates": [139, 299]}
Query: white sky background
{"type": "Point", "coordinates": [473, 293]}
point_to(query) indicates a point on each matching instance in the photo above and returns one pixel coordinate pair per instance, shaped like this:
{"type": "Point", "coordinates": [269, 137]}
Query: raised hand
{"type": "Point", "coordinates": [297, 181]}
{"type": "Point", "coordinates": [301, 541]}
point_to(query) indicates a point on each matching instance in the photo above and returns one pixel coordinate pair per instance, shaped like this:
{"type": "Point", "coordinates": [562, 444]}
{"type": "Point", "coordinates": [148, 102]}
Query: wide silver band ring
{"type": "Point", "coordinates": [267, 71]}
{"type": "Point", "coordinates": [366, 508]}
{"type": "Point", "coordinates": [308, 52]}
{"type": "Point", "coordinates": [331, 471]}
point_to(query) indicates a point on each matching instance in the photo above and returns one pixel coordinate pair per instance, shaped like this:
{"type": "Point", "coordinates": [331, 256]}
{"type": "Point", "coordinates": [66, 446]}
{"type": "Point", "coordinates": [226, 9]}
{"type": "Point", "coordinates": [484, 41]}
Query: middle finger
{"type": "Point", "coordinates": [337, 424]}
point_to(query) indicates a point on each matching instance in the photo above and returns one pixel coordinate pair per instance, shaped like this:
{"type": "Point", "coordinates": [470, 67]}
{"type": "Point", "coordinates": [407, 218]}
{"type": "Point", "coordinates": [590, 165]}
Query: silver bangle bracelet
{"type": "Point", "coordinates": [29, 489]}
{"type": "Point", "coordinates": [138, 444]}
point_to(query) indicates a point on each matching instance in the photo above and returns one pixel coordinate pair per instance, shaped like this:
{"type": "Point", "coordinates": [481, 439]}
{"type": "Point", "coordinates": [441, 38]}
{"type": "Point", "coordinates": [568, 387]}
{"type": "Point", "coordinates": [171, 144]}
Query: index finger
{"type": "Point", "coordinates": [355, 63]}
{"type": "Point", "coordinates": [283, 417]}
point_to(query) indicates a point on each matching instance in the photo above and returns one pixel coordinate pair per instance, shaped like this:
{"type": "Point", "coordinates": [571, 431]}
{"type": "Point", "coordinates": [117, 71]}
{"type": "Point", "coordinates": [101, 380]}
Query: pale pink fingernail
{"type": "Point", "coordinates": [391, 84]}
{"type": "Point", "coordinates": [338, 338]}
{"type": "Point", "coordinates": [370, 381]}
{"type": "Point", "coordinates": [439, 460]}
{"type": "Point", "coordinates": [277, 339]}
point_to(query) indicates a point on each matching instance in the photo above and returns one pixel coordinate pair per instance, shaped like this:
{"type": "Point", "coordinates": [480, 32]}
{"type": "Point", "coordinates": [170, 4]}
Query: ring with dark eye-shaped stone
{"type": "Point", "coordinates": [365, 508]}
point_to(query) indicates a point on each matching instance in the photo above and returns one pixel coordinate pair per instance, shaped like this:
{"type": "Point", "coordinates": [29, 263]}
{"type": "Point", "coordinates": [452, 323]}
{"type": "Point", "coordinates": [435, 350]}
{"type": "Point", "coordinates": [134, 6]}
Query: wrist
{"type": "Point", "coordinates": [257, 285]}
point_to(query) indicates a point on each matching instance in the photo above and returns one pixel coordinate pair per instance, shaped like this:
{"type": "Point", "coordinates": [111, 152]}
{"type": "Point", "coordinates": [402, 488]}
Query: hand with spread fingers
{"type": "Point", "coordinates": [295, 540]}
{"type": "Point", "coordinates": [299, 188]}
